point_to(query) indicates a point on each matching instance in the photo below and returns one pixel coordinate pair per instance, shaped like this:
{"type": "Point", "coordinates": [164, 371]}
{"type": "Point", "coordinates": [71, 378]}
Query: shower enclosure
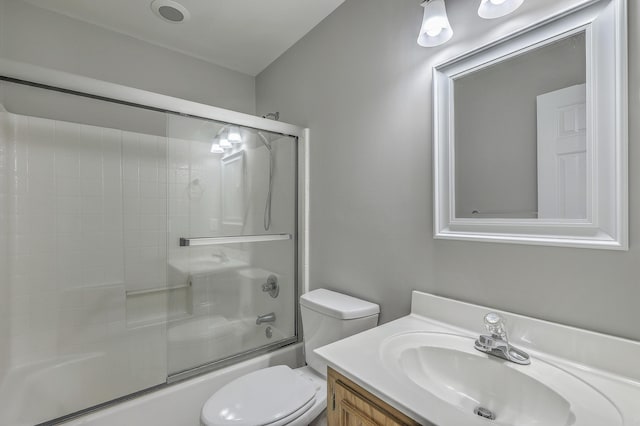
{"type": "Point", "coordinates": [138, 246]}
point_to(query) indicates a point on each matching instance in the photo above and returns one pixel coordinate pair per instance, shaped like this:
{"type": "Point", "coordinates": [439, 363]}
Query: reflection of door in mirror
{"type": "Point", "coordinates": [497, 129]}
{"type": "Point", "coordinates": [562, 154]}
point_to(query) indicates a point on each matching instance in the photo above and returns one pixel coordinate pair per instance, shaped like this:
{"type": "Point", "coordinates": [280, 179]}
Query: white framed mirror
{"type": "Point", "coordinates": [530, 135]}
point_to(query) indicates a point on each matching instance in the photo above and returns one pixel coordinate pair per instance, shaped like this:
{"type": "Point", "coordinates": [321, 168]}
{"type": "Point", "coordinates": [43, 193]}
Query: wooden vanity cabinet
{"type": "Point", "coordinates": [350, 405]}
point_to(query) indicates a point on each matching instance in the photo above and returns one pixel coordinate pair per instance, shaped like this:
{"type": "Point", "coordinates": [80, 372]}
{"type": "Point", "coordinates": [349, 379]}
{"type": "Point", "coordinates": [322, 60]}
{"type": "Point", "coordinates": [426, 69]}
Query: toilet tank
{"type": "Point", "coordinates": [328, 316]}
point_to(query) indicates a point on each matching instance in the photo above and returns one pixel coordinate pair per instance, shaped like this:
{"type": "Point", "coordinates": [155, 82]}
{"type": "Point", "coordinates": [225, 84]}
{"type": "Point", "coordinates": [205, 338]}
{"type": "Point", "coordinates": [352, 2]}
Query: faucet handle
{"type": "Point", "coordinates": [495, 325]}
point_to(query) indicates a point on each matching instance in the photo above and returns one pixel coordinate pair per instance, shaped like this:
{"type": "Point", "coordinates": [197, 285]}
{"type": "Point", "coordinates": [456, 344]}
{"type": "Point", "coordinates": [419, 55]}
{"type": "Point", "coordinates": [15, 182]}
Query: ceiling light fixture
{"type": "Point", "coordinates": [170, 11]}
{"type": "Point", "coordinates": [491, 9]}
{"type": "Point", "coordinates": [435, 29]}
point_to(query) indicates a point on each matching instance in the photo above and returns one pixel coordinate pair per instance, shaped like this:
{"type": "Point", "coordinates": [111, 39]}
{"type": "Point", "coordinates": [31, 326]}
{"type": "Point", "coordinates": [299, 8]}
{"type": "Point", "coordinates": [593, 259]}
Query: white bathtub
{"type": "Point", "coordinates": [31, 393]}
{"type": "Point", "coordinates": [180, 404]}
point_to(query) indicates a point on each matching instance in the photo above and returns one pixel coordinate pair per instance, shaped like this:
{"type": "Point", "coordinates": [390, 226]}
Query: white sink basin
{"type": "Point", "coordinates": [448, 367]}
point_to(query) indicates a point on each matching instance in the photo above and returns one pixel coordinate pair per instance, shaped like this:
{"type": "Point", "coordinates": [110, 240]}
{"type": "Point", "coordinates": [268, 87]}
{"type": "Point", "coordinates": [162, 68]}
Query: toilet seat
{"type": "Point", "coordinates": [272, 396]}
{"type": "Point", "coordinates": [296, 414]}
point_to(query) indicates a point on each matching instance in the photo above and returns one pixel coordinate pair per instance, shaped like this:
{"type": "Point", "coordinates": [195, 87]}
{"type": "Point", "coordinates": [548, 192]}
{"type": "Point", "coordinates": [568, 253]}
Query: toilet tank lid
{"type": "Point", "coordinates": [338, 305]}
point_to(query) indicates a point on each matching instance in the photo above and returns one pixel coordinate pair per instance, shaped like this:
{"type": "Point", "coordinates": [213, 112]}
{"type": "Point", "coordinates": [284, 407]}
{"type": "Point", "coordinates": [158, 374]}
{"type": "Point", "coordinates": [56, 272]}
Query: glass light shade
{"type": "Point", "coordinates": [233, 135]}
{"type": "Point", "coordinates": [216, 149]}
{"type": "Point", "coordinates": [435, 29]}
{"type": "Point", "coordinates": [491, 9]}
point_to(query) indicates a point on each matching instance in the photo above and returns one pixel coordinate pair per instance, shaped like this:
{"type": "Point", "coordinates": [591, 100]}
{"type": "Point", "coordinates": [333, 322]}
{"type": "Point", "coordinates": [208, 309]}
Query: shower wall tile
{"type": "Point", "coordinates": [73, 197]}
{"type": "Point", "coordinates": [145, 211]}
{"type": "Point", "coordinates": [6, 131]}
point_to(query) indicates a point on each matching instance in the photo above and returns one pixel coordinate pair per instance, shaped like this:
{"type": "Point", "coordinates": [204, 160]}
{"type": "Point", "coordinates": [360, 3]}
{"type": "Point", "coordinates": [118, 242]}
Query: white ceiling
{"type": "Point", "coordinates": [243, 35]}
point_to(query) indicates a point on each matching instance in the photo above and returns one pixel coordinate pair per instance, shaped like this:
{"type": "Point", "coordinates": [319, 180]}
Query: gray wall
{"type": "Point", "coordinates": [41, 37]}
{"type": "Point", "coordinates": [363, 86]}
{"type": "Point", "coordinates": [496, 127]}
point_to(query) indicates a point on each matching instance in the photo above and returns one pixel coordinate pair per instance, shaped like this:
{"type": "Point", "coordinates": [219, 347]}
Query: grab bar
{"type": "Point", "coordinates": [156, 290]}
{"type": "Point", "coordinates": [209, 241]}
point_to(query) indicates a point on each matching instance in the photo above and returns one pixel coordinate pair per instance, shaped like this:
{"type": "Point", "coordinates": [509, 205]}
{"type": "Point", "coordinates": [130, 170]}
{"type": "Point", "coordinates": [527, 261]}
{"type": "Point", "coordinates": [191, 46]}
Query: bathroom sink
{"type": "Point", "coordinates": [181, 269]}
{"type": "Point", "coordinates": [448, 367]}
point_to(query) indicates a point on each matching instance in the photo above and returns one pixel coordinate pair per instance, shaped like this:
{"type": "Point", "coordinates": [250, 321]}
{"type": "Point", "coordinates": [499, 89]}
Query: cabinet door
{"type": "Point", "coordinates": [350, 405]}
{"type": "Point", "coordinates": [356, 411]}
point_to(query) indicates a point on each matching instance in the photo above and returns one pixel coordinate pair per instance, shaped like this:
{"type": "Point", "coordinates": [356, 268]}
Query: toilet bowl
{"type": "Point", "coordinates": [271, 396]}
{"type": "Point", "coordinates": [279, 395]}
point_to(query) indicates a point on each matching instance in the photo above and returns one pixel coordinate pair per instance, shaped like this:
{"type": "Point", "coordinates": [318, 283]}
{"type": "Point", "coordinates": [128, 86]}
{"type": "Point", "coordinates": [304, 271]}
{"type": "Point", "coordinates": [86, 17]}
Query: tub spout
{"type": "Point", "coordinates": [271, 317]}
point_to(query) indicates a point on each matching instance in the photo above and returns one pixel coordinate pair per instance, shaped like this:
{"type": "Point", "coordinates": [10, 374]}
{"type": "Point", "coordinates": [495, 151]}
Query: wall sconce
{"type": "Point", "coordinates": [436, 29]}
{"type": "Point", "coordinates": [491, 9]}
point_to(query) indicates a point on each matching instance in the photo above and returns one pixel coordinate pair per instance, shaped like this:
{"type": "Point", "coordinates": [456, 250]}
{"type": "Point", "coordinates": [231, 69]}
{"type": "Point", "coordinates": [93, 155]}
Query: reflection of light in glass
{"type": "Point", "coordinates": [435, 29]}
{"type": "Point", "coordinates": [491, 9]}
{"type": "Point", "coordinates": [216, 149]}
{"type": "Point", "coordinates": [223, 139]}
{"type": "Point", "coordinates": [227, 136]}
{"type": "Point", "coordinates": [233, 135]}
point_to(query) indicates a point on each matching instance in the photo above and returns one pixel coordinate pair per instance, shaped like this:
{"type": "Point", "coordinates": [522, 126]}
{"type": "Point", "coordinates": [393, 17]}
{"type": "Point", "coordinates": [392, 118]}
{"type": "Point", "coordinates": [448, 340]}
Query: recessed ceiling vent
{"type": "Point", "coordinates": [170, 11]}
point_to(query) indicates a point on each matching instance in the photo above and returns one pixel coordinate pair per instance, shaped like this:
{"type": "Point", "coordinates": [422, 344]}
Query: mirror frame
{"type": "Point", "coordinates": [606, 227]}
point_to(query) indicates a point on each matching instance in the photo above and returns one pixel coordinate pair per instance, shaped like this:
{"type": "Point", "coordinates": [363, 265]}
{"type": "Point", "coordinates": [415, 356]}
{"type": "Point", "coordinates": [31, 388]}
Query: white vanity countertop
{"type": "Point", "coordinates": [609, 364]}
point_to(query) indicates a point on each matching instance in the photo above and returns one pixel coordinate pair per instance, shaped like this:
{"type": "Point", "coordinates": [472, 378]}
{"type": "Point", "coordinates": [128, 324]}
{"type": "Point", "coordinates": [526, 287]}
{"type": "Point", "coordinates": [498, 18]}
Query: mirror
{"type": "Point", "coordinates": [520, 135]}
{"type": "Point", "coordinates": [524, 153]}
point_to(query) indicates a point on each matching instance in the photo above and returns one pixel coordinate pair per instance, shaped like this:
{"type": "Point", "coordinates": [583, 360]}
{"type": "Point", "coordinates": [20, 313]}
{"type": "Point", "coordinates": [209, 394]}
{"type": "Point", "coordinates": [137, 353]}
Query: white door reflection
{"type": "Point", "coordinates": [562, 154]}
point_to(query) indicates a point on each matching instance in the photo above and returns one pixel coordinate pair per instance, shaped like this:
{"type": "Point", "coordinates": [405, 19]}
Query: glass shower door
{"type": "Point", "coordinates": [232, 242]}
{"type": "Point", "coordinates": [135, 245]}
{"type": "Point", "coordinates": [82, 252]}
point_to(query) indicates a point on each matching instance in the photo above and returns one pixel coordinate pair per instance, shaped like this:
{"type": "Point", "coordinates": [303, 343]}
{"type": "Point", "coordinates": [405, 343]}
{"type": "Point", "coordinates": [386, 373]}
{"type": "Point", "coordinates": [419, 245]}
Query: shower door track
{"type": "Point", "coordinates": [175, 379]}
{"type": "Point", "coordinates": [225, 362]}
{"type": "Point", "coordinates": [126, 103]}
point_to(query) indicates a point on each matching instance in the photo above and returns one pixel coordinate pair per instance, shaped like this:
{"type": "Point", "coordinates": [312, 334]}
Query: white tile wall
{"type": "Point", "coordinates": [82, 220]}
{"type": "Point", "coordinates": [5, 293]}
{"type": "Point", "coordinates": [145, 210]}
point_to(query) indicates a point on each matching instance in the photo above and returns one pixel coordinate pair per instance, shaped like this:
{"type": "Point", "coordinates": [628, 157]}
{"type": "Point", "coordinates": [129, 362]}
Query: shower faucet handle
{"type": "Point", "coordinates": [271, 286]}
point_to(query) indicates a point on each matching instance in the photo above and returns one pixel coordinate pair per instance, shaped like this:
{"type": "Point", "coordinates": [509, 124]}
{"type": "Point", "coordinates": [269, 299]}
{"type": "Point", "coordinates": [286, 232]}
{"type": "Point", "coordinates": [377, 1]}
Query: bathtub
{"type": "Point", "coordinates": [30, 393]}
{"type": "Point", "coordinates": [180, 404]}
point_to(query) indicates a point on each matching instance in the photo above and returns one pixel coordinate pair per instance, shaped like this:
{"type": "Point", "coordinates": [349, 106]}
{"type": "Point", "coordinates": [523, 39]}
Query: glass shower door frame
{"type": "Point", "coordinates": [29, 75]}
{"type": "Point", "coordinates": [298, 253]}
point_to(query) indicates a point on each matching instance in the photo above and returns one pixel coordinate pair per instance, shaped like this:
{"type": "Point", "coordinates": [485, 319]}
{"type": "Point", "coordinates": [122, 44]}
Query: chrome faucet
{"type": "Point", "coordinates": [497, 342]}
{"type": "Point", "coordinates": [266, 318]}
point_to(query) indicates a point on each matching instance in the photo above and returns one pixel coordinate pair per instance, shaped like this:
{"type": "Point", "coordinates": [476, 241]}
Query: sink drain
{"type": "Point", "coordinates": [485, 413]}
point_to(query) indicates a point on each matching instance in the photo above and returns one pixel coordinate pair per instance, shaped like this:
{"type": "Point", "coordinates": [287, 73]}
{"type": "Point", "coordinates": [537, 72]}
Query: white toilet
{"type": "Point", "coordinates": [278, 395]}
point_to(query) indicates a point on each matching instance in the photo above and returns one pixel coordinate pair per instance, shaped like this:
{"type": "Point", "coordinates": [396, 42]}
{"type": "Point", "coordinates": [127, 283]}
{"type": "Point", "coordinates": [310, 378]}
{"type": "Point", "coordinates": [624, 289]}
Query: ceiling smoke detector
{"type": "Point", "coordinates": [170, 11]}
